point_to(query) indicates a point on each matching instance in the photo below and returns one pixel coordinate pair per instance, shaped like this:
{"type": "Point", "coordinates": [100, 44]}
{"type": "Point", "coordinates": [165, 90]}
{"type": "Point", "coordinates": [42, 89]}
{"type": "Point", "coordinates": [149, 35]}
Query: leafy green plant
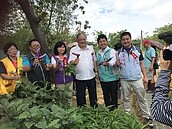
{"type": "Point", "coordinates": [70, 69]}
{"type": "Point", "coordinates": [32, 107]}
{"type": "Point", "coordinates": [103, 118]}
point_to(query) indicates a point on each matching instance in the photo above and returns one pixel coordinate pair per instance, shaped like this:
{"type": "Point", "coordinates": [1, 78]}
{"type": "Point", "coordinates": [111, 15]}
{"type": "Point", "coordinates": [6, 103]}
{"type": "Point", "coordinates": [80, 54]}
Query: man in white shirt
{"type": "Point", "coordinates": [83, 57]}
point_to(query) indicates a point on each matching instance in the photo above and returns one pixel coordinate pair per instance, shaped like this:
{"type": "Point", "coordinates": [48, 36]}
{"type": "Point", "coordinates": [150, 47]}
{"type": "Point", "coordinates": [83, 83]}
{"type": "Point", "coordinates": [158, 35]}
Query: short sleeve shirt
{"type": "Point", "coordinates": [26, 61]}
{"type": "Point", "coordinates": [150, 53]}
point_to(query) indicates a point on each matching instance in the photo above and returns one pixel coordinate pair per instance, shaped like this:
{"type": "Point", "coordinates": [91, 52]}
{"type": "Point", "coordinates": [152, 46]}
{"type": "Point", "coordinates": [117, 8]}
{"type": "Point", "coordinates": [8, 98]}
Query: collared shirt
{"type": "Point", "coordinates": [112, 55]}
{"type": "Point", "coordinates": [26, 61]}
{"type": "Point", "coordinates": [60, 77]}
{"type": "Point", "coordinates": [84, 69]}
{"type": "Point", "coordinates": [55, 58]}
{"type": "Point", "coordinates": [130, 63]}
{"type": "Point", "coordinates": [110, 72]}
{"type": "Point", "coordinates": [149, 53]}
{"type": "Point", "coordinates": [161, 107]}
{"type": "Point", "coordinates": [38, 73]}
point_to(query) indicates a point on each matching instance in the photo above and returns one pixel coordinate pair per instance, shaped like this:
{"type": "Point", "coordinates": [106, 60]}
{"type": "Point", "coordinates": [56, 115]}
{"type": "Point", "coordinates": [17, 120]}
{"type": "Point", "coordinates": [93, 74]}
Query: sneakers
{"type": "Point", "coordinates": [149, 122]}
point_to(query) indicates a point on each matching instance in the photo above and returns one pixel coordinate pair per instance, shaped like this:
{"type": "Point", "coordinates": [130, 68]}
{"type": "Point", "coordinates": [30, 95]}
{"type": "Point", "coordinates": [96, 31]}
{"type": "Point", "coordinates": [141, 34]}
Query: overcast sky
{"type": "Point", "coordinates": [134, 15]}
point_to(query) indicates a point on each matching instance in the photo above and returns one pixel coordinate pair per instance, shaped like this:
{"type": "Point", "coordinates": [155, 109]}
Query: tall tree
{"type": "Point", "coordinates": [34, 23]}
{"type": "Point", "coordinates": [4, 10]}
{"type": "Point", "coordinates": [159, 30]}
{"type": "Point", "coordinates": [115, 38]}
{"type": "Point", "coordinates": [43, 26]}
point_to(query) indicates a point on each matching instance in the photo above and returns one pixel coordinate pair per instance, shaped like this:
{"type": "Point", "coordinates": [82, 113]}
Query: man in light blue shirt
{"type": "Point", "coordinates": [149, 59]}
{"type": "Point", "coordinates": [131, 63]}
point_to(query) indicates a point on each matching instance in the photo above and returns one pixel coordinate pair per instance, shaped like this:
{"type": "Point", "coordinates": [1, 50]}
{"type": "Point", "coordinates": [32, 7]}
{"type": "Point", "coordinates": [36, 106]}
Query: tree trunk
{"type": "Point", "coordinates": [34, 24]}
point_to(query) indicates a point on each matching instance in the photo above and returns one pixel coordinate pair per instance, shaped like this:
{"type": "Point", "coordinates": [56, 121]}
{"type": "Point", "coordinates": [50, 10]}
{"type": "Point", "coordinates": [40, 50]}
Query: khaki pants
{"type": "Point", "coordinates": [149, 74]}
{"type": "Point", "coordinates": [140, 93]}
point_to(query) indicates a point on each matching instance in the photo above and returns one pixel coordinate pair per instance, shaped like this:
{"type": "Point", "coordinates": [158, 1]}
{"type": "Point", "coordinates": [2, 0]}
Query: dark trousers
{"type": "Point", "coordinates": [81, 86]}
{"type": "Point", "coordinates": [110, 93]}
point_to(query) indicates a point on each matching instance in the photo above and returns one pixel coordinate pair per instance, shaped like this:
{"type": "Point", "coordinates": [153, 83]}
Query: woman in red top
{"type": "Point", "coordinates": [12, 65]}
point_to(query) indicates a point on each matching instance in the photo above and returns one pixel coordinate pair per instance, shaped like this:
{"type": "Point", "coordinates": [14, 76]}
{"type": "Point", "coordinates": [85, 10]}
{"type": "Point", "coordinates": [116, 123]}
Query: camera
{"type": "Point", "coordinates": [167, 37]}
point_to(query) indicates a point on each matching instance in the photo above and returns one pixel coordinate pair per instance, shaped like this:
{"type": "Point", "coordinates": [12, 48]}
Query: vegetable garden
{"type": "Point", "coordinates": [32, 107]}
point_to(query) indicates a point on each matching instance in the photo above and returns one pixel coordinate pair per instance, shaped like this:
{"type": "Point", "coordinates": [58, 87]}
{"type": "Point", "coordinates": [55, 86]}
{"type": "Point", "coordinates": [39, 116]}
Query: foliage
{"type": "Point", "coordinates": [163, 29]}
{"type": "Point", "coordinates": [13, 20]}
{"type": "Point", "coordinates": [60, 17]}
{"type": "Point", "coordinates": [115, 38]}
{"type": "Point", "coordinates": [70, 69]}
{"type": "Point", "coordinates": [102, 118]}
{"type": "Point", "coordinates": [57, 17]}
{"type": "Point", "coordinates": [96, 33]}
{"type": "Point", "coordinates": [24, 35]}
{"type": "Point", "coordinates": [32, 107]}
{"type": "Point", "coordinates": [160, 30]}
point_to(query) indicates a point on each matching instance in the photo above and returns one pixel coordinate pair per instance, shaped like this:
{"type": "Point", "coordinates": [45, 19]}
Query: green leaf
{"type": "Point", "coordinates": [28, 124]}
{"type": "Point", "coordinates": [54, 124]}
{"type": "Point", "coordinates": [23, 115]}
{"type": "Point", "coordinates": [35, 110]}
{"type": "Point", "coordinates": [4, 102]}
{"type": "Point", "coordinates": [42, 124]}
{"type": "Point", "coordinates": [4, 119]}
{"type": "Point", "coordinates": [46, 112]}
{"type": "Point", "coordinates": [10, 125]}
{"type": "Point", "coordinates": [60, 112]}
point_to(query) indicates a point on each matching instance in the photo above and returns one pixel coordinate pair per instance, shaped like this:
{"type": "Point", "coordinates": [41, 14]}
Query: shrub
{"type": "Point", "coordinates": [32, 107]}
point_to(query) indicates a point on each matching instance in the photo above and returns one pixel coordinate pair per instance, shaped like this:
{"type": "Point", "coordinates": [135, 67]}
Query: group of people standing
{"type": "Point", "coordinates": [104, 64]}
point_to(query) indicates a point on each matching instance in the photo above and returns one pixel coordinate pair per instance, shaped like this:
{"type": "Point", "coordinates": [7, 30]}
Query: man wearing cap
{"type": "Point", "coordinates": [149, 59]}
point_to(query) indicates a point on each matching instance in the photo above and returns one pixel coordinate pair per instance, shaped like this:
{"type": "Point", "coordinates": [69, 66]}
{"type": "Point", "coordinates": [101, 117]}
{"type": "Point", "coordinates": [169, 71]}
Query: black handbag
{"type": "Point", "coordinates": [155, 65]}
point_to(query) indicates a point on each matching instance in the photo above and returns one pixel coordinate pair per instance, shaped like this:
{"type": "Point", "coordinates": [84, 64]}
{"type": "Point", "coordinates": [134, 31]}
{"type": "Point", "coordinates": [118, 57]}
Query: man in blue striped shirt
{"type": "Point", "coordinates": [161, 107]}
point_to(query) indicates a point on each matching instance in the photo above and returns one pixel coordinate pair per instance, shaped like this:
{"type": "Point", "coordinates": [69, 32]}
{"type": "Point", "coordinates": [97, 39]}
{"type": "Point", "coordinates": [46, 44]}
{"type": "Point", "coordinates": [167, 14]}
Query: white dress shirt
{"type": "Point", "coordinates": [84, 70]}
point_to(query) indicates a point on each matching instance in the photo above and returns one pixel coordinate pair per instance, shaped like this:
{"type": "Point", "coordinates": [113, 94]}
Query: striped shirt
{"type": "Point", "coordinates": [161, 107]}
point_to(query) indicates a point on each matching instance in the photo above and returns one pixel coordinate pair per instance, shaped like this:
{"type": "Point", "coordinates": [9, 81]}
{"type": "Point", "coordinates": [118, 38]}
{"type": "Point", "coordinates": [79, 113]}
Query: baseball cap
{"type": "Point", "coordinates": [146, 42]}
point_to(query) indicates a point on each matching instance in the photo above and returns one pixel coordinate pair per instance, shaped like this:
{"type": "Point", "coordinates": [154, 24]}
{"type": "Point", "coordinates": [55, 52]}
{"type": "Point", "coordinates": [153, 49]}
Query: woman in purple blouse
{"type": "Point", "coordinates": [60, 61]}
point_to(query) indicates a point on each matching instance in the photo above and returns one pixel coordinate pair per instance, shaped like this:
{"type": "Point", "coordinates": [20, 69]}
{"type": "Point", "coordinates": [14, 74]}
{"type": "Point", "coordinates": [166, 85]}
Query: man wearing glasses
{"type": "Point", "coordinates": [36, 65]}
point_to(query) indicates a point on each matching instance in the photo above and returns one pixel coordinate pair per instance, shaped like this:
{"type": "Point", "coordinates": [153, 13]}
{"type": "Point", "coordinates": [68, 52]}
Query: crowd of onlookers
{"type": "Point", "coordinates": [124, 65]}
